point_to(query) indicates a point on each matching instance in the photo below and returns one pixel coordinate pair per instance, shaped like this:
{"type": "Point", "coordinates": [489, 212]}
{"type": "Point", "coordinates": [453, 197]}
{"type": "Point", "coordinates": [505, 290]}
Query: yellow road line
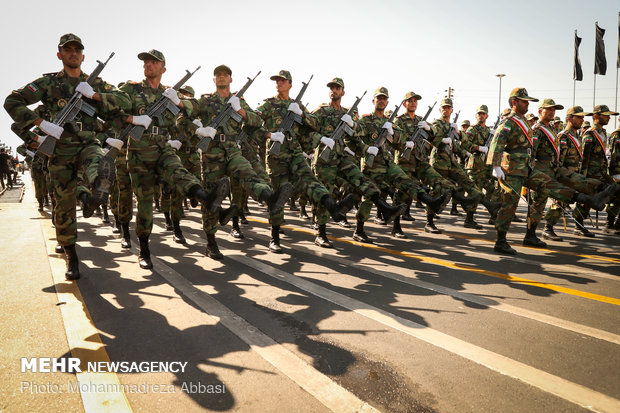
{"type": "Point", "coordinates": [449, 264]}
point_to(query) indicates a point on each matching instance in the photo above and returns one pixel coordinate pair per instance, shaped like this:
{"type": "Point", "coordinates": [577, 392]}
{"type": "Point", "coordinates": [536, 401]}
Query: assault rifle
{"type": "Point", "coordinates": [341, 129]}
{"type": "Point", "coordinates": [418, 135]}
{"type": "Point", "coordinates": [452, 134]}
{"type": "Point", "coordinates": [222, 118]}
{"type": "Point", "coordinates": [489, 139]}
{"type": "Point", "coordinates": [370, 159]}
{"type": "Point", "coordinates": [75, 105]}
{"type": "Point", "coordinates": [289, 120]}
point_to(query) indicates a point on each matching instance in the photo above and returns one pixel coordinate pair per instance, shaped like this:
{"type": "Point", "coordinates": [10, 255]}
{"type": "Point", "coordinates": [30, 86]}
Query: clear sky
{"type": "Point", "coordinates": [419, 45]}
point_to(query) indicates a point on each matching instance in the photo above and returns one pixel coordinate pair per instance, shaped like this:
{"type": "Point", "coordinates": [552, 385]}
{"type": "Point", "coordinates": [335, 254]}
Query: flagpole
{"type": "Point", "coordinates": [575, 85]}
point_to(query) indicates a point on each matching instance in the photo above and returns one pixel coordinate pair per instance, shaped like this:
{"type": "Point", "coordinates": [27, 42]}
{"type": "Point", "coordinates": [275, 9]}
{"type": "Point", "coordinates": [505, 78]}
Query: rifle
{"type": "Point", "coordinates": [221, 120]}
{"type": "Point", "coordinates": [156, 110]}
{"type": "Point", "coordinates": [75, 105]}
{"type": "Point", "coordinates": [419, 134]}
{"type": "Point", "coordinates": [370, 159]}
{"type": "Point", "coordinates": [489, 139]}
{"type": "Point", "coordinates": [289, 120]}
{"type": "Point", "coordinates": [341, 129]}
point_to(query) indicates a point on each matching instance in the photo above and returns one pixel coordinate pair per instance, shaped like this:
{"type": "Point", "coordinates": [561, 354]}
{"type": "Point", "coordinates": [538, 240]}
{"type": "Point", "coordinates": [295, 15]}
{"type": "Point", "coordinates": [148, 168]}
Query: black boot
{"type": "Point", "coordinates": [292, 206]}
{"type": "Point", "coordinates": [469, 221]}
{"type": "Point", "coordinates": [531, 240]}
{"type": "Point", "coordinates": [492, 207]}
{"type": "Point", "coordinates": [106, 175]}
{"type": "Point", "coordinates": [88, 205]}
{"type": "Point", "coordinates": [418, 204]}
{"type": "Point", "coordinates": [344, 223]}
{"type": "Point", "coordinates": [581, 229]}
{"type": "Point", "coordinates": [168, 221]}
{"type": "Point", "coordinates": [144, 259]}
{"type": "Point", "coordinates": [212, 250]}
{"type": "Point", "coordinates": [596, 201]}
{"type": "Point", "coordinates": [321, 239]}
{"type": "Point", "coordinates": [212, 200]}
{"type": "Point", "coordinates": [40, 204]}
{"type": "Point", "coordinates": [126, 241]}
{"type": "Point", "coordinates": [274, 243]}
{"type": "Point", "coordinates": [359, 235]}
{"type": "Point", "coordinates": [454, 210]}
{"type": "Point", "coordinates": [236, 231]}
{"type": "Point", "coordinates": [610, 228]}
{"type": "Point", "coordinates": [243, 219]}
{"type": "Point", "coordinates": [73, 264]}
{"type": "Point", "coordinates": [226, 214]}
{"type": "Point", "coordinates": [275, 200]}
{"type": "Point", "coordinates": [106, 217]}
{"type": "Point", "coordinates": [302, 212]}
{"type": "Point", "coordinates": [550, 234]}
{"type": "Point", "coordinates": [464, 201]}
{"type": "Point", "coordinates": [387, 211]}
{"type": "Point", "coordinates": [185, 205]}
{"type": "Point", "coordinates": [178, 234]}
{"type": "Point", "coordinates": [117, 225]}
{"type": "Point", "coordinates": [339, 210]}
{"type": "Point", "coordinates": [430, 225]}
{"type": "Point", "coordinates": [406, 216]}
{"type": "Point", "coordinates": [435, 204]}
{"type": "Point", "coordinates": [501, 245]}
{"type": "Point", "coordinates": [617, 224]}
{"type": "Point", "coordinates": [397, 231]}
{"type": "Point", "coordinates": [157, 206]}
{"type": "Point", "coordinates": [58, 249]}
{"type": "Point", "coordinates": [46, 201]}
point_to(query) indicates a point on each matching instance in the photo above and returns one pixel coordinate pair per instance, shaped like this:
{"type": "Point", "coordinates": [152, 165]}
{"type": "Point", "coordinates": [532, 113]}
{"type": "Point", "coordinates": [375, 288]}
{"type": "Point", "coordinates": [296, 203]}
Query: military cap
{"type": "Point", "coordinates": [549, 103]}
{"type": "Point", "coordinates": [222, 68]}
{"type": "Point", "coordinates": [69, 38]}
{"type": "Point", "coordinates": [531, 116]}
{"type": "Point", "coordinates": [465, 123]}
{"type": "Point", "coordinates": [282, 74]}
{"type": "Point", "coordinates": [410, 95]}
{"type": "Point", "coordinates": [507, 112]}
{"type": "Point", "coordinates": [585, 124]}
{"type": "Point", "coordinates": [483, 109]}
{"type": "Point", "coordinates": [603, 110]}
{"type": "Point", "coordinates": [381, 91]}
{"type": "Point", "coordinates": [152, 54]}
{"type": "Point", "coordinates": [336, 81]}
{"type": "Point", "coordinates": [577, 111]}
{"type": "Point", "coordinates": [445, 102]}
{"type": "Point", "coordinates": [521, 93]}
{"type": "Point", "coordinates": [188, 90]}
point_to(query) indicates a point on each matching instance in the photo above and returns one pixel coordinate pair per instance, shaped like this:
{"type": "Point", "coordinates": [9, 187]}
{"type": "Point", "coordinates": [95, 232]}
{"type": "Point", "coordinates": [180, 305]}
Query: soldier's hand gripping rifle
{"type": "Point", "coordinates": [341, 129]}
{"type": "Point", "coordinates": [286, 127]}
{"type": "Point", "coordinates": [221, 120]}
{"type": "Point", "coordinates": [383, 135]}
{"type": "Point", "coordinates": [452, 134]}
{"type": "Point", "coordinates": [489, 139]}
{"type": "Point", "coordinates": [419, 134]}
{"type": "Point", "coordinates": [75, 105]}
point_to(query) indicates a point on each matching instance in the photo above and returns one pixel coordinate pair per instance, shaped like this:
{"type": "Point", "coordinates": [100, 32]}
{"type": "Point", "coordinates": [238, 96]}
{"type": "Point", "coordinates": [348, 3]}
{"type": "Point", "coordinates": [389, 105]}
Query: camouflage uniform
{"type": "Point", "coordinates": [614, 170]}
{"type": "Point", "coordinates": [475, 137]}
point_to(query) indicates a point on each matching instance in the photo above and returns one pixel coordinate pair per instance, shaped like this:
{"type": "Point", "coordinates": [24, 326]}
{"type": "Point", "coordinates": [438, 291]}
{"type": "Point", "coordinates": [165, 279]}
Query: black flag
{"type": "Point", "coordinates": [577, 72]}
{"type": "Point", "coordinates": [600, 63]}
{"type": "Point", "coordinates": [618, 65]}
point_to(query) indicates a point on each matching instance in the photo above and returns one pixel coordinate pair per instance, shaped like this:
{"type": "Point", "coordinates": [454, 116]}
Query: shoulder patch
{"type": "Point", "coordinates": [32, 87]}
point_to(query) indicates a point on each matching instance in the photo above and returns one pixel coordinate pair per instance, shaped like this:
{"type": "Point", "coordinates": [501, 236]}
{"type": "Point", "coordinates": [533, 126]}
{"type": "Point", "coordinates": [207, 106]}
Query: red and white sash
{"type": "Point", "coordinates": [575, 142]}
{"type": "Point", "coordinates": [525, 127]}
{"type": "Point", "coordinates": [551, 136]}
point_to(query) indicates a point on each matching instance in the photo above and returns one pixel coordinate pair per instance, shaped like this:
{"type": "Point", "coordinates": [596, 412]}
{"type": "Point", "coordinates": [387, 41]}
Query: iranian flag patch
{"type": "Point", "coordinates": [33, 88]}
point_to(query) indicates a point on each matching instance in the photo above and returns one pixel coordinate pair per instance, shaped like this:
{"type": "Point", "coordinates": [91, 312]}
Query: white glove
{"type": "Point", "coordinates": [447, 141]}
{"type": "Point", "coordinates": [455, 126]}
{"type": "Point", "coordinates": [498, 173]}
{"type": "Point", "coordinates": [492, 131]}
{"type": "Point", "coordinates": [349, 151]}
{"type": "Point", "coordinates": [116, 143]}
{"type": "Point", "coordinates": [277, 137]}
{"type": "Point", "coordinates": [176, 144]}
{"type": "Point", "coordinates": [40, 139]}
{"type": "Point", "coordinates": [172, 94]}
{"type": "Point", "coordinates": [329, 142]}
{"type": "Point", "coordinates": [30, 153]}
{"type": "Point", "coordinates": [294, 107]}
{"type": "Point", "coordinates": [616, 178]}
{"type": "Point", "coordinates": [51, 129]}
{"type": "Point", "coordinates": [235, 103]}
{"type": "Point", "coordinates": [206, 132]}
{"type": "Point", "coordinates": [468, 154]}
{"type": "Point", "coordinates": [409, 145]}
{"type": "Point", "coordinates": [422, 124]}
{"type": "Point", "coordinates": [197, 122]}
{"type": "Point", "coordinates": [483, 149]}
{"type": "Point", "coordinates": [309, 157]}
{"type": "Point", "coordinates": [388, 126]}
{"type": "Point", "coordinates": [142, 120]}
{"type": "Point", "coordinates": [372, 150]}
{"type": "Point", "coordinates": [346, 118]}
{"type": "Point", "coordinates": [85, 89]}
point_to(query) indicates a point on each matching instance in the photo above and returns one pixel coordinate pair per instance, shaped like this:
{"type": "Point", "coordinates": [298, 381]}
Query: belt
{"type": "Point", "coordinates": [222, 137]}
{"type": "Point", "coordinates": [156, 130]}
{"type": "Point", "coordinates": [80, 127]}
{"type": "Point", "coordinates": [520, 150]}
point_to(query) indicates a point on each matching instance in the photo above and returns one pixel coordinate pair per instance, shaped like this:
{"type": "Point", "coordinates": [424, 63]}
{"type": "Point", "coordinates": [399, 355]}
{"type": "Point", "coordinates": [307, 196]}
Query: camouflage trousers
{"type": "Point", "coordinates": [225, 159]}
{"type": "Point", "coordinates": [457, 174]}
{"type": "Point", "coordinates": [341, 169]}
{"type": "Point", "coordinates": [63, 167]}
{"type": "Point", "coordinates": [39, 179]}
{"type": "Point", "coordinates": [613, 208]}
{"type": "Point", "coordinates": [239, 193]}
{"type": "Point", "coordinates": [191, 162]}
{"type": "Point", "coordinates": [483, 178]}
{"type": "Point", "coordinates": [121, 197]}
{"type": "Point", "coordinates": [147, 163]}
{"type": "Point", "coordinates": [425, 173]}
{"type": "Point", "coordinates": [291, 166]}
{"type": "Point", "coordinates": [536, 181]}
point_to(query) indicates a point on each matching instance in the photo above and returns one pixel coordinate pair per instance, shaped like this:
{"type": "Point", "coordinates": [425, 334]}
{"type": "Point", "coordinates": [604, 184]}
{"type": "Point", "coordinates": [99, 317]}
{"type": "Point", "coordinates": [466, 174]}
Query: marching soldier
{"type": "Point", "coordinates": [614, 171]}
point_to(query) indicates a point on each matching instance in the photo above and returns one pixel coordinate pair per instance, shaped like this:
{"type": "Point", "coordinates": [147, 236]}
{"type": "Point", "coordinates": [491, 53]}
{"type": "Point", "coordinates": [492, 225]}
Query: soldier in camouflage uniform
{"type": "Point", "coordinates": [77, 144]}
{"type": "Point", "coordinates": [530, 118]}
{"type": "Point", "coordinates": [509, 155]}
{"type": "Point", "coordinates": [614, 170]}
{"type": "Point", "coordinates": [290, 165]}
{"type": "Point", "coordinates": [465, 125]}
{"type": "Point", "coordinates": [223, 157]}
{"type": "Point", "coordinates": [444, 161]}
{"type": "Point", "coordinates": [151, 157]}
{"type": "Point", "coordinates": [342, 162]}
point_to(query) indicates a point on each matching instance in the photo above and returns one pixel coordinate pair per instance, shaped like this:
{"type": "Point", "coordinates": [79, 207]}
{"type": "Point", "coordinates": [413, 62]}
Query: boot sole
{"type": "Point", "coordinates": [223, 188]}
{"type": "Point", "coordinates": [285, 194]}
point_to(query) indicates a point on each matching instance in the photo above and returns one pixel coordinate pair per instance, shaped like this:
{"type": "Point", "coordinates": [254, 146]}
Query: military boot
{"type": "Point", "coordinates": [397, 231]}
{"type": "Point", "coordinates": [359, 235]}
{"type": "Point", "coordinates": [59, 249]}
{"type": "Point", "coordinates": [339, 210]}
{"type": "Point", "coordinates": [46, 201]}
{"type": "Point", "coordinates": [531, 240]}
{"type": "Point", "coordinates": [275, 200]}
{"type": "Point", "coordinates": [157, 206]}
{"type": "Point", "coordinates": [226, 214]}
{"type": "Point", "coordinates": [418, 204]}
{"type": "Point", "coordinates": [406, 216]}
{"type": "Point", "coordinates": [144, 259]}
{"type": "Point", "coordinates": [106, 217]}
{"type": "Point", "coordinates": [168, 221]}
{"type": "Point", "coordinates": [274, 242]}
{"type": "Point", "coordinates": [492, 207]}
{"type": "Point", "coordinates": [242, 219]}
{"type": "Point", "coordinates": [73, 264]}
{"type": "Point", "coordinates": [596, 201]}
{"type": "Point", "coordinates": [387, 211]}
{"type": "Point", "coordinates": [454, 210]}
{"type": "Point", "coordinates": [236, 231]}
{"type": "Point", "coordinates": [212, 250]}
{"type": "Point", "coordinates": [40, 204]}
{"type": "Point", "coordinates": [178, 234]}
{"type": "Point", "coordinates": [106, 175]}
{"type": "Point", "coordinates": [581, 229]}
{"type": "Point", "coordinates": [470, 222]}
{"type": "Point", "coordinates": [185, 205]}
{"type": "Point", "coordinates": [344, 223]}
{"type": "Point", "coordinates": [617, 224]}
{"type": "Point", "coordinates": [302, 212]}
{"type": "Point", "coordinates": [465, 202]}
{"type": "Point", "coordinates": [117, 225]}
{"type": "Point", "coordinates": [501, 245]}
{"type": "Point", "coordinates": [550, 234]}
{"type": "Point", "coordinates": [292, 206]}
{"type": "Point", "coordinates": [126, 241]}
{"type": "Point", "coordinates": [212, 200]}
{"type": "Point", "coordinates": [430, 224]}
{"type": "Point", "coordinates": [321, 239]}
{"type": "Point", "coordinates": [435, 204]}
{"type": "Point", "coordinates": [610, 228]}
{"type": "Point", "coordinates": [88, 204]}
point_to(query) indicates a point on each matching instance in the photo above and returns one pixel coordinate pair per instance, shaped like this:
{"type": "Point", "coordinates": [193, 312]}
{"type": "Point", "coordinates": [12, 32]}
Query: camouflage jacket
{"type": "Point", "coordinates": [211, 104]}
{"type": "Point", "coordinates": [371, 126]}
{"type": "Point", "coordinates": [54, 90]}
{"type": "Point", "coordinates": [570, 149]}
{"type": "Point", "coordinates": [475, 137]}
{"type": "Point", "coordinates": [183, 130]}
{"type": "Point", "coordinates": [614, 160]}
{"type": "Point", "coordinates": [511, 146]}
{"type": "Point", "coordinates": [408, 127]}
{"type": "Point", "coordinates": [545, 152]}
{"type": "Point", "coordinates": [328, 118]}
{"type": "Point", "coordinates": [594, 159]}
{"type": "Point", "coordinates": [442, 155]}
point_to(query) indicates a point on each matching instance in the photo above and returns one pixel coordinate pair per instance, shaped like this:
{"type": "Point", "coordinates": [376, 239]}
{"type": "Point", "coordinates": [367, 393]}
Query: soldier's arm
{"type": "Point", "coordinates": [113, 102]}
{"type": "Point", "coordinates": [16, 104]}
{"type": "Point", "coordinates": [563, 148]}
{"type": "Point", "coordinates": [437, 133]}
{"type": "Point", "coordinates": [253, 120]}
{"type": "Point", "coordinates": [311, 120]}
{"type": "Point", "coordinates": [587, 150]}
{"type": "Point", "coordinates": [614, 161]}
{"type": "Point", "coordinates": [498, 143]}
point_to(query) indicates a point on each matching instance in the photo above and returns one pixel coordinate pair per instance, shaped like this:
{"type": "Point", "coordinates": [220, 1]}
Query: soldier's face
{"type": "Point", "coordinates": [336, 92]}
{"type": "Point", "coordinates": [283, 85]}
{"type": "Point", "coordinates": [380, 102]}
{"type": "Point", "coordinates": [222, 80]}
{"type": "Point", "coordinates": [602, 119]}
{"type": "Point", "coordinates": [481, 117]}
{"type": "Point", "coordinates": [411, 104]}
{"type": "Point", "coordinates": [446, 111]}
{"type": "Point", "coordinates": [575, 121]}
{"type": "Point", "coordinates": [153, 68]}
{"type": "Point", "coordinates": [546, 114]}
{"type": "Point", "coordinates": [71, 55]}
{"type": "Point", "coordinates": [521, 106]}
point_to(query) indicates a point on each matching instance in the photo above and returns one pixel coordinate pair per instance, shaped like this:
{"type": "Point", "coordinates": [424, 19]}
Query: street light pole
{"type": "Point", "coordinates": [499, 104]}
